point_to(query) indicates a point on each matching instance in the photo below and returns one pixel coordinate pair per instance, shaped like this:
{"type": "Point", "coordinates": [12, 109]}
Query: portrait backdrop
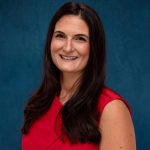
{"type": "Point", "coordinates": [23, 29]}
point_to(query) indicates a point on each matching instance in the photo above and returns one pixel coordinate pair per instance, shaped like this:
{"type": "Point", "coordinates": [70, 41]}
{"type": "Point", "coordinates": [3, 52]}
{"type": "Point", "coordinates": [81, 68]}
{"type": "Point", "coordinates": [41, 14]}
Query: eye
{"type": "Point", "coordinates": [59, 36]}
{"type": "Point", "coordinates": [80, 39]}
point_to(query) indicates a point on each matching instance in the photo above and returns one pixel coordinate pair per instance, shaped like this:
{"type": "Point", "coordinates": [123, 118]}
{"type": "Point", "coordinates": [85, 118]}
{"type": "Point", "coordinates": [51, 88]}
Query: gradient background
{"type": "Point", "coordinates": [23, 28]}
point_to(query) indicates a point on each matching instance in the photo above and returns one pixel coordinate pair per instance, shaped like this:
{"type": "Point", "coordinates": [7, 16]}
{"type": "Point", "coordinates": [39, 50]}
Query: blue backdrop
{"type": "Point", "coordinates": [23, 28]}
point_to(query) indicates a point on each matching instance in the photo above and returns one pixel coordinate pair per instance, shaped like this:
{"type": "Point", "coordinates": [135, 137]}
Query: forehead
{"type": "Point", "coordinates": [73, 24]}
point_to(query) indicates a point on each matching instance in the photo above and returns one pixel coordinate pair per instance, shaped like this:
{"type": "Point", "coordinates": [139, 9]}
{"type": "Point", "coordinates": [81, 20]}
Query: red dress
{"type": "Point", "coordinates": [43, 136]}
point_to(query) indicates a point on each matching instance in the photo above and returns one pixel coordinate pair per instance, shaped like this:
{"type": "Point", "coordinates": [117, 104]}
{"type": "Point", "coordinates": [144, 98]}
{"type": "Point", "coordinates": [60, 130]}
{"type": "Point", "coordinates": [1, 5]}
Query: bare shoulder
{"type": "Point", "coordinates": [116, 127]}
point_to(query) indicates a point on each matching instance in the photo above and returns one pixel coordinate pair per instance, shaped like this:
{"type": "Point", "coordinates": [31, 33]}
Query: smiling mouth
{"type": "Point", "coordinates": [68, 57]}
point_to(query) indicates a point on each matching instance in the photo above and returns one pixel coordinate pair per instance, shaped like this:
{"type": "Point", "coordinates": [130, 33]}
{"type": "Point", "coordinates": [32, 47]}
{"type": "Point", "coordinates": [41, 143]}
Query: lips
{"type": "Point", "coordinates": [64, 57]}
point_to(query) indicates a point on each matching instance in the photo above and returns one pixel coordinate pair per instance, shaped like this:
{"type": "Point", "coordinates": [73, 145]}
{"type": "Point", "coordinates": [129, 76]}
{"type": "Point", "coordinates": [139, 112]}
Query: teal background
{"type": "Point", "coordinates": [23, 28]}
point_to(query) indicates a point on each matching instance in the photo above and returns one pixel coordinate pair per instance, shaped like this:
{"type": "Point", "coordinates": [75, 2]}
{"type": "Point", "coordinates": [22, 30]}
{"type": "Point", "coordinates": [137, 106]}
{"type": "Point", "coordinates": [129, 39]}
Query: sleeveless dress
{"type": "Point", "coordinates": [43, 134]}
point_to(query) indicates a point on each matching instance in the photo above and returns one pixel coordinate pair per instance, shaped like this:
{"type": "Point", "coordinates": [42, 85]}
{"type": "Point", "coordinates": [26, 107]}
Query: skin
{"type": "Point", "coordinates": [117, 127]}
{"type": "Point", "coordinates": [71, 38]}
{"type": "Point", "coordinates": [70, 51]}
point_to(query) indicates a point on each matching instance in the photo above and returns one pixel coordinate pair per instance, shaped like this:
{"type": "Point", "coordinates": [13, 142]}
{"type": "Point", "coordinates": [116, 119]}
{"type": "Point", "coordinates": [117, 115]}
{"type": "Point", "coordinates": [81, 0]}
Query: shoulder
{"type": "Point", "coordinates": [115, 111]}
{"type": "Point", "coordinates": [115, 123]}
{"type": "Point", "coordinates": [116, 127]}
{"type": "Point", "coordinates": [107, 96]}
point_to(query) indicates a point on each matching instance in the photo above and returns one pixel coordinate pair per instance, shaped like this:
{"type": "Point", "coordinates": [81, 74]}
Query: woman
{"type": "Point", "coordinates": [72, 109]}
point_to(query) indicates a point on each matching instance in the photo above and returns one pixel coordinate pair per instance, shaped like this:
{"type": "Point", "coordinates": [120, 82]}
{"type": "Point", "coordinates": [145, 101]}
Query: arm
{"type": "Point", "coordinates": [117, 128]}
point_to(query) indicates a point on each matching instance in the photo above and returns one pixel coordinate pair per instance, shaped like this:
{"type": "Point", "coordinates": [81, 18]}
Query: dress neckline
{"type": "Point", "coordinates": [58, 101]}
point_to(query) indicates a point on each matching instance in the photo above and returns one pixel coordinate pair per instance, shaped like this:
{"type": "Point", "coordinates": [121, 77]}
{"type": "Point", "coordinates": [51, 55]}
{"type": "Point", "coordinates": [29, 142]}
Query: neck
{"type": "Point", "coordinates": [69, 83]}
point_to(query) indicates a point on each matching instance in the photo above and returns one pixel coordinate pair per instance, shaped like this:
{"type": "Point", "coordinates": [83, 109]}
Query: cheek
{"type": "Point", "coordinates": [85, 50]}
{"type": "Point", "coordinates": [56, 45]}
{"type": "Point", "coordinates": [53, 46]}
{"type": "Point", "coordinates": [53, 50]}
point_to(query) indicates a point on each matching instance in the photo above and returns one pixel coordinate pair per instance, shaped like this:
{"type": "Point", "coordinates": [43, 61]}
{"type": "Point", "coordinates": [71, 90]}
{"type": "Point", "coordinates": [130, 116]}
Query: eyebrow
{"type": "Point", "coordinates": [59, 32]}
{"type": "Point", "coordinates": [74, 35]}
{"type": "Point", "coordinates": [82, 35]}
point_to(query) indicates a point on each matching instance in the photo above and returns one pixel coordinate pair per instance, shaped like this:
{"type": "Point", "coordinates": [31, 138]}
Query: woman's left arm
{"type": "Point", "coordinates": [117, 128]}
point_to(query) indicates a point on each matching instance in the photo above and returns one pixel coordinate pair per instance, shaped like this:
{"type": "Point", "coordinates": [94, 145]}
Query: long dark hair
{"type": "Point", "coordinates": [80, 116]}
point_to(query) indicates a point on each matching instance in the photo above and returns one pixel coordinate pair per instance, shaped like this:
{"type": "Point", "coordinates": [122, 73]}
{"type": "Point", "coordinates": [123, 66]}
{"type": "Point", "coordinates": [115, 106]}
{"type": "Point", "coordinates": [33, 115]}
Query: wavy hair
{"type": "Point", "coordinates": [80, 115]}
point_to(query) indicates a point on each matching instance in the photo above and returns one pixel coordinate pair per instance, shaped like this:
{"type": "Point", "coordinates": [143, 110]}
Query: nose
{"type": "Point", "coordinates": [68, 46]}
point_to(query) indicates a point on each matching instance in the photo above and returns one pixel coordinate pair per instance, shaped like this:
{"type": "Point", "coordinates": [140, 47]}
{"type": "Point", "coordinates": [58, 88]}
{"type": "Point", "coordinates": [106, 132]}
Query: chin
{"type": "Point", "coordinates": [68, 71]}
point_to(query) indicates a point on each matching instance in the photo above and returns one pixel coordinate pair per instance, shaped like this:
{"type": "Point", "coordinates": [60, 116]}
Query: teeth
{"type": "Point", "coordinates": [68, 57]}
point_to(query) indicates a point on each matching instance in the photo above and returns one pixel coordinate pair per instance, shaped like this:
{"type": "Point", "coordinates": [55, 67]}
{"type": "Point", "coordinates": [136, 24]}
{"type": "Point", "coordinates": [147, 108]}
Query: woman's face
{"type": "Point", "coordinates": [70, 44]}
